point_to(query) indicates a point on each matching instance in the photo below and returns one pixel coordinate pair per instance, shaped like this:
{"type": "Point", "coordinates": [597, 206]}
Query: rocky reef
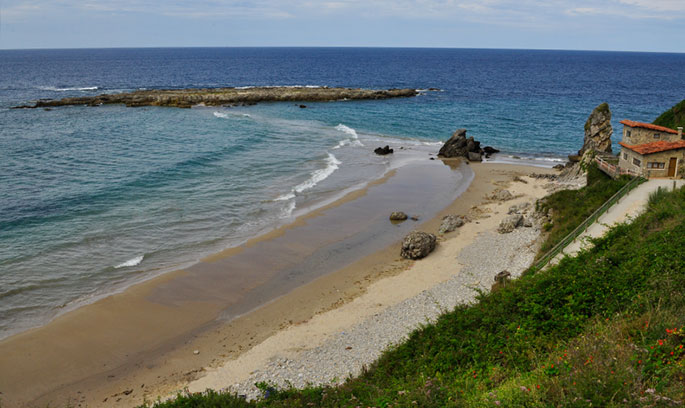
{"type": "Point", "coordinates": [460, 146]}
{"type": "Point", "coordinates": [186, 98]}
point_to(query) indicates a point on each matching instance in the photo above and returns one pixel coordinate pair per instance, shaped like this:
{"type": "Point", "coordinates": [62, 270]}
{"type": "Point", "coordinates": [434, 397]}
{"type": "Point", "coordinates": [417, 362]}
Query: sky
{"type": "Point", "coordinates": [621, 25]}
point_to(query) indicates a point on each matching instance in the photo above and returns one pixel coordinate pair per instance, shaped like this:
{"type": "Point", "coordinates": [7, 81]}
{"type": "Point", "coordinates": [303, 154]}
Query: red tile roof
{"type": "Point", "coordinates": [650, 126]}
{"type": "Point", "coordinates": [655, 147]}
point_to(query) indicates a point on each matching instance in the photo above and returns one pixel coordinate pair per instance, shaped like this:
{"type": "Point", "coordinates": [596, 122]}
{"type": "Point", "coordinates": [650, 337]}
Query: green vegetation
{"type": "Point", "coordinates": [603, 329]}
{"type": "Point", "coordinates": [570, 208]}
{"type": "Point", "coordinates": [673, 117]}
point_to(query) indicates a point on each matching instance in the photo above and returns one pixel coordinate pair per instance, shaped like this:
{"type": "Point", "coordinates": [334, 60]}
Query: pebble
{"type": "Point", "coordinates": [332, 363]}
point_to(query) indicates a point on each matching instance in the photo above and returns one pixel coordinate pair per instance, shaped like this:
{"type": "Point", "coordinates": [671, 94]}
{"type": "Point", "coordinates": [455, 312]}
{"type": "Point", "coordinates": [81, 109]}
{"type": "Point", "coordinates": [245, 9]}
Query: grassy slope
{"type": "Point", "coordinates": [570, 208]}
{"type": "Point", "coordinates": [606, 328]}
{"type": "Point", "coordinates": [673, 117]}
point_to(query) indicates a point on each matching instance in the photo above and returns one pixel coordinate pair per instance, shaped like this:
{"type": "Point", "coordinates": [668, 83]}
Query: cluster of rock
{"type": "Point", "coordinates": [501, 195]}
{"type": "Point", "coordinates": [382, 151]}
{"type": "Point", "coordinates": [517, 217]}
{"type": "Point", "coordinates": [186, 98]}
{"type": "Point", "coordinates": [461, 146]}
{"type": "Point", "coordinates": [418, 244]}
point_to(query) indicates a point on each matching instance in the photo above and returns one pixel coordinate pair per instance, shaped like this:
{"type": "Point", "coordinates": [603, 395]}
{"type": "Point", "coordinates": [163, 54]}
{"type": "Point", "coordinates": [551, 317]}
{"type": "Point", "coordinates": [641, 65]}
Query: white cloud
{"type": "Point", "coordinates": [487, 11]}
{"type": "Point", "coordinates": [657, 5]}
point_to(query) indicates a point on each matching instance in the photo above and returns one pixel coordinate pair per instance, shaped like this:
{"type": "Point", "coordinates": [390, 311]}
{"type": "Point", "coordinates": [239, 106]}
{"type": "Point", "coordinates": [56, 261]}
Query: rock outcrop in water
{"type": "Point", "coordinates": [186, 98]}
{"type": "Point", "coordinates": [461, 146]}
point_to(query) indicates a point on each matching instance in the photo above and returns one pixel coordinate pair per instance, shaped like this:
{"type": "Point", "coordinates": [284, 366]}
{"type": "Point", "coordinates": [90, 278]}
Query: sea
{"type": "Point", "coordinates": [95, 199]}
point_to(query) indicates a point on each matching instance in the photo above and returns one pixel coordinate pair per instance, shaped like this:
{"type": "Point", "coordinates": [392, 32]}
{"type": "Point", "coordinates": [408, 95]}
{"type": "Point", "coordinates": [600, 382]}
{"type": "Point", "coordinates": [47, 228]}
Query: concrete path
{"type": "Point", "coordinates": [627, 208]}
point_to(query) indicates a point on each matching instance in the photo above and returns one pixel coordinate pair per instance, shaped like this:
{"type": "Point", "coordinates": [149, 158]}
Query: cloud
{"type": "Point", "coordinates": [657, 5]}
{"type": "Point", "coordinates": [488, 11]}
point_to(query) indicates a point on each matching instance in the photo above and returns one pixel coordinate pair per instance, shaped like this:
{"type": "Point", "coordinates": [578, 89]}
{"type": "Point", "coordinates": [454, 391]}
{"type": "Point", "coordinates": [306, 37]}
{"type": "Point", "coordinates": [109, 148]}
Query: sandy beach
{"type": "Point", "coordinates": [143, 344]}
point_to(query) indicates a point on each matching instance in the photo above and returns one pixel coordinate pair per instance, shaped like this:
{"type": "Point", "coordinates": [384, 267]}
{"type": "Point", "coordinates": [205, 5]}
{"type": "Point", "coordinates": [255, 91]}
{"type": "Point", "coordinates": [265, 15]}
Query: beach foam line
{"type": "Point", "coordinates": [354, 140]}
{"type": "Point", "coordinates": [223, 115]}
{"type": "Point", "coordinates": [332, 164]}
{"type": "Point", "coordinates": [131, 262]}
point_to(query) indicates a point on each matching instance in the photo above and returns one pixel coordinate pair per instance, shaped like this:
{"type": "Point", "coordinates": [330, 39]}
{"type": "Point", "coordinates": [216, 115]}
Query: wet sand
{"type": "Point", "coordinates": [139, 343]}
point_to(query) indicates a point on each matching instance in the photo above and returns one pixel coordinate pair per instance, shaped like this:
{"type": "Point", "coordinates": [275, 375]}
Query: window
{"type": "Point", "coordinates": [625, 156]}
{"type": "Point", "coordinates": [628, 134]}
{"type": "Point", "coordinates": [656, 135]}
{"type": "Point", "coordinates": [656, 165]}
{"type": "Point", "coordinates": [637, 162]}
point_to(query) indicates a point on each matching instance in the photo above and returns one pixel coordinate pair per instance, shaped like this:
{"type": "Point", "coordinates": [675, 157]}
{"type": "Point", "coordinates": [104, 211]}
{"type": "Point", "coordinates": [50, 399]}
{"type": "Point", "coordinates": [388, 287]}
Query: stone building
{"type": "Point", "coordinates": [652, 151]}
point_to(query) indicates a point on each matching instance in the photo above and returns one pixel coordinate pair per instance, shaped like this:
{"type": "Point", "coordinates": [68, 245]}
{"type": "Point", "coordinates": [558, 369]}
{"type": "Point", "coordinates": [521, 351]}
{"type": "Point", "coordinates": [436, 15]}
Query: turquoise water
{"type": "Point", "coordinates": [95, 199]}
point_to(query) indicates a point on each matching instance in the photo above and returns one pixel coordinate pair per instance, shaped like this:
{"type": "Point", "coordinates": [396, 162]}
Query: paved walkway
{"type": "Point", "coordinates": [628, 207]}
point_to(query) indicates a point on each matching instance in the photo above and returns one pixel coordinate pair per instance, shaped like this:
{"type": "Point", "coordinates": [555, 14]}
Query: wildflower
{"type": "Point", "coordinates": [661, 342]}
{"type": "Point", "coordinates": [551, 366]}
{"type": "Point", "coordinates": [538, 386]}
{"type": "Point", "coordinates": [671, 353]}
{"type": "Point", "coordinates": [639, 361]}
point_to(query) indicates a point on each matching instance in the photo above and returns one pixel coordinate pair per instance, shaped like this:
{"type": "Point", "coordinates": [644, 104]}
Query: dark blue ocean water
{"type": "Point", "coordinates": [94, 199]}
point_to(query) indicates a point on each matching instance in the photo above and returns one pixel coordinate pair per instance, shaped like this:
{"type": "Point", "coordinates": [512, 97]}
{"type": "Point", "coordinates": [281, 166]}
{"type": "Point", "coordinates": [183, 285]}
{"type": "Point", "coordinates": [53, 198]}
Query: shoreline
{"type": "Point", "coordinates": [338, 343]}
{"type": "Point", "coordinates": [96, 343]}
{"type": "Point", "coordinates": [144, 375]}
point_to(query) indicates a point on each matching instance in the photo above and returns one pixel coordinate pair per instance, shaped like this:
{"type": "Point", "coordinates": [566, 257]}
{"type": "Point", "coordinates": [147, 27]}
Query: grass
{"type": "Point", "coordinates": [673, 117]}
{"type": "Point", "coordinates": [570, 208]}
{"type": "Point", "coordinates": [606, 328]}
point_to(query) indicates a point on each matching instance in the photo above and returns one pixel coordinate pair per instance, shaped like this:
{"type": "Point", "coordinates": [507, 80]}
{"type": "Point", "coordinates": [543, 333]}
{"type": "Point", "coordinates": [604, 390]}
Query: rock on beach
{"type": "Point", "coordinates": [417, 245]}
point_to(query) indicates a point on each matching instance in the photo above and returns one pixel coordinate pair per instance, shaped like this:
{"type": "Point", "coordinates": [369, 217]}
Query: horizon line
{"type": "Point", "coordinates": [334, 47]}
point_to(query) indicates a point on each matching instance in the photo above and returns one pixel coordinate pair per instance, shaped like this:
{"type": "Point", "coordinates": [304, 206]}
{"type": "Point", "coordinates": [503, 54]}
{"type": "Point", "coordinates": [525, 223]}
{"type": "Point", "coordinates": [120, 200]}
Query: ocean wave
{"type": "Point", "coordinates": [131, 262]}
{"type": "Point", "coordinates": [354, 140]}
{"type": "Point", "coordinates": [332, 164]}
{"type": "Point", "coordinates": [55, 89]}
{"type": "Point", "coordinates": [223, 115]}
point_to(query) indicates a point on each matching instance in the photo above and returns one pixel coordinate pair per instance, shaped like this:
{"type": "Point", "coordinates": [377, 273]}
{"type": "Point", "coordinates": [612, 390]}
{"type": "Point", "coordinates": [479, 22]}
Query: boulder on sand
{"type": "Point", "coordinates": [417, 245]}
{"type": "Point", "coordinates": [510, 223]}
{"type": "Point", "coordinates": [450, 223]}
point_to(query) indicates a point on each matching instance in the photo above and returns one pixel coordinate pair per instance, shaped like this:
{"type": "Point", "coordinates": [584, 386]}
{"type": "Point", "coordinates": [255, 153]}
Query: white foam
{"type": "Point", "coordinates": [84, 88]}
{"type": "Point", "coordinates": [332, 164]}
{"type": "Point", "coordinates": [131, 262]}
{"type": "Point", "coordinates": [223, 115]}
{"type": "Point", "coordinates": [354, 140]}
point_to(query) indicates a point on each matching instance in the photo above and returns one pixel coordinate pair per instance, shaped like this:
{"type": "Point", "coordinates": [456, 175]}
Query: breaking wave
{"type": "Point", "coordinates": [131, 262]}
{"type": "Point", "coordinates": [332, 164]}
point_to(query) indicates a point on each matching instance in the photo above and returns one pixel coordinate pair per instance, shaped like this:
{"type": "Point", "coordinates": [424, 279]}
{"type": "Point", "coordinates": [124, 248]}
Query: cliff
{"type": "Point", "coordinates": [673, 117]}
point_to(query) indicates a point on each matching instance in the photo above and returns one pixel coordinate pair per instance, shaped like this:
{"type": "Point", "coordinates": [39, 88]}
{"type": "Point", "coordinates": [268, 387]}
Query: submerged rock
{"type": "Point", "coordinates": [418, 245]}
{"type": "Point", "coordinates": [398, 216]}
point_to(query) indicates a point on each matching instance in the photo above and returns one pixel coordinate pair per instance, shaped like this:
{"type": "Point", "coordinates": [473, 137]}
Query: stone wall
{"type": "Point", "coordinates": [627, 156]}
{"type": "Point", "coordinates": [641, 136]}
